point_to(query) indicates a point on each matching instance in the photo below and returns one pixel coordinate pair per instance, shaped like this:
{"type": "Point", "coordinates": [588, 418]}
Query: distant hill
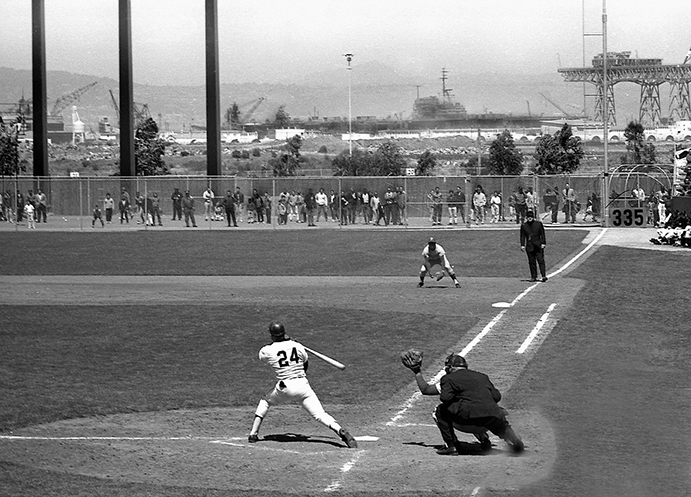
{"type": "Point", "coordinates": [377, 90]}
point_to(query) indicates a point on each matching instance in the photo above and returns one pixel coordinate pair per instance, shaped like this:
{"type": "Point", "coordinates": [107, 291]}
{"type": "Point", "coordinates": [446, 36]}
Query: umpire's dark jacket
{"type": "Point", "coordinates": [469, 394]}
{"type": "Point", "coordinates": [533, 235]}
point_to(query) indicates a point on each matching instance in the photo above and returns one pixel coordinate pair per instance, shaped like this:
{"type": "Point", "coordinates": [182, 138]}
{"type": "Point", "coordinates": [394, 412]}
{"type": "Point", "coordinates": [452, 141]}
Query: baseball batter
{"type": "Point", "coordinates": [289, 360]}
{"type": "Point", "coordinates": [434, 255]}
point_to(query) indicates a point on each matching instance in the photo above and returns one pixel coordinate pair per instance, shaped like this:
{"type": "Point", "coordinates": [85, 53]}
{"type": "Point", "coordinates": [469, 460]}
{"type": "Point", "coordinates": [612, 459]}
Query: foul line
{"type": "Point", "coordinates": [336, 484]}
{"type": "Point", "coordinates": [538, 326]}
{"type": "Point", "coordinates": [408, 404]}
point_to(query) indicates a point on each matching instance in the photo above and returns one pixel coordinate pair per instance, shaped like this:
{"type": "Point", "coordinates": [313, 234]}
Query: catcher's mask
{"type": "Point", "coordinates": [455, 361]}
{"type": "Point", "coordinates": [277, 329]}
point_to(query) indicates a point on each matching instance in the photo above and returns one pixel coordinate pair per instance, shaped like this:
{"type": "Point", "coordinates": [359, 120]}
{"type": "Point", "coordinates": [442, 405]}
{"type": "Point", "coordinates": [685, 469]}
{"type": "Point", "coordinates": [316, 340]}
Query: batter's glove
{"type": "Point", "coordinates": [412, 359]}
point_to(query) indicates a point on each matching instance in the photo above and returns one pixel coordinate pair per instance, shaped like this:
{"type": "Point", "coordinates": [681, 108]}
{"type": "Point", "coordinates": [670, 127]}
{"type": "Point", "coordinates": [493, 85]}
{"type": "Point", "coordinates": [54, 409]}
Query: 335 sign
{"type": "Point", "coordinates": [627, 217]}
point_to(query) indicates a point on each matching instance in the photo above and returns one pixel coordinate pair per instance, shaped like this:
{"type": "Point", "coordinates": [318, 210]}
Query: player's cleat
{"type": "Point", "coordinates": [347, 438]}
{"type": "Point", "coordinates": [421, 284]}
{"type": "Point", "coordinates": [457, 284]}
{"type": "Point", "coordinates": [253, 439]}
{"type": "Point", "coordinates": [486, 445]}
{"type": "Point", "coordinates": [447, 451]}
{"type": "Point", "coordinates": [544, 279]}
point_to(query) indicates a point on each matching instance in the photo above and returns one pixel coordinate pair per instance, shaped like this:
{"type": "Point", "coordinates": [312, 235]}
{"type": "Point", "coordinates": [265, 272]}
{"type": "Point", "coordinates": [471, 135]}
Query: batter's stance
{"type": "Point", "coordinates": [289, 360]}
{"type": "Point", "coordinates": [432, 255]}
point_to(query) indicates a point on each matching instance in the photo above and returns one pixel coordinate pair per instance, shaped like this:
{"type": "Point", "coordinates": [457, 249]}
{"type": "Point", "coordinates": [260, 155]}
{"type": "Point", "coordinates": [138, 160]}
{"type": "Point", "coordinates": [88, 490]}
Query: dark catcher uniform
{"type": "Point", "coordinates": [533, 240]}
{"type": "Point", "coordinates": [469, 398]}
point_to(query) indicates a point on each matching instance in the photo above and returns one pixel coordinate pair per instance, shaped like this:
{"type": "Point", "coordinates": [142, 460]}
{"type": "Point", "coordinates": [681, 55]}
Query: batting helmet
{"type": "Point", "coordinates": [277, 329]}
{"type": "Point", "coordinates": [456, 361]}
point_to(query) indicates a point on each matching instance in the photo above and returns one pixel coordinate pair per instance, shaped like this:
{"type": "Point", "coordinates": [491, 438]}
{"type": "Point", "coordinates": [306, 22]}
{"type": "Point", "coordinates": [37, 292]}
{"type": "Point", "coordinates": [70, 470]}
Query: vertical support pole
{"type": "Point", "coordinates": [605, 117]}
{"type": "Point", "coordinates": [127, 161]}
{"type": "Point", "coordinates": [213, 101]}
{"type": "Point", "coordinates": [38, 80]}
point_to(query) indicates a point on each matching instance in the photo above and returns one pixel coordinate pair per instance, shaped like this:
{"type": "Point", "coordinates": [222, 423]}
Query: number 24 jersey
{"type": "Point", "coordinates": [288, 359]}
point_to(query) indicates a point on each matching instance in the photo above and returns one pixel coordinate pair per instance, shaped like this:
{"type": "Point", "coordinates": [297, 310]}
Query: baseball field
{"type": "Point", "coordinates": [129, 367]}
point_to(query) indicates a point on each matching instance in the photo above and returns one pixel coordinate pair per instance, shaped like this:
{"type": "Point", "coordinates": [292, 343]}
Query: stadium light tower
{"type": "Point", "coordinates": [349, 58]}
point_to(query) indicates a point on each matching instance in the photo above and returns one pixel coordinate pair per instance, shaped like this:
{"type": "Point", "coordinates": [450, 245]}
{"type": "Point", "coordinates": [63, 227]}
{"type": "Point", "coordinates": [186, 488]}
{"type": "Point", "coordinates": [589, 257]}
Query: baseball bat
{"type": "Point", "coordinates": [326, 358]}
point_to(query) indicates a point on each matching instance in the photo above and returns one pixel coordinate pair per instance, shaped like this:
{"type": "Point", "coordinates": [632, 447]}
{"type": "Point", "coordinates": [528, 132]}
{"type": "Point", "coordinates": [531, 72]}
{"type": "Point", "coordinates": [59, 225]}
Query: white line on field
{"type": "Point", "coordinates": [19, 437]}
{"type": "Point", "coordinates": [408, 404]}
{"type": "Point", "coordinates": [336, 484]}
{"type": "Point", "coordinates": [538, 326]}
{"type": "Point", "coordinates": [475, 491]}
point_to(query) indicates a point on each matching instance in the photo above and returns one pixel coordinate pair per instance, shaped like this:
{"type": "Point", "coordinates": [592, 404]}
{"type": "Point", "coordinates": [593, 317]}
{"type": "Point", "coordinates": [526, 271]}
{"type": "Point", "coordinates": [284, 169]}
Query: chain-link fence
{"type": "Point", "coordinates": [79, 196]}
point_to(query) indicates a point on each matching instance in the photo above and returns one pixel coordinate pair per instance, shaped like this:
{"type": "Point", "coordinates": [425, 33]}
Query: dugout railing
{"type": "Point", "coordinates": [69, 196]}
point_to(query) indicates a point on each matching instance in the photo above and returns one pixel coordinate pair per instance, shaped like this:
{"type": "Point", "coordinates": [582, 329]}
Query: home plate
{"type": "Point", "coordinates": [501, 304]}
{"type": "Point", "coordinates": [366, 438]}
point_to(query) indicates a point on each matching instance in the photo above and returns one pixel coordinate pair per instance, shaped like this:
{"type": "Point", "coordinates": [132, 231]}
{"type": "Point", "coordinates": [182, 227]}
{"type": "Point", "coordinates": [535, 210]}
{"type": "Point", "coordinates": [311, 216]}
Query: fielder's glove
{"type": "Point", "coordinates": [412, 359]}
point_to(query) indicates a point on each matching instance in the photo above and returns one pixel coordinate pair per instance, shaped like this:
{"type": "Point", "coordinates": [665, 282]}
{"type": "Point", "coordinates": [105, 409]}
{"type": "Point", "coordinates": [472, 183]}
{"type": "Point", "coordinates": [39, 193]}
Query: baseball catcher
{"type": "Point", "coordinates": [468, 404]}
{"type": "Point", "coordinates": [432, 255]}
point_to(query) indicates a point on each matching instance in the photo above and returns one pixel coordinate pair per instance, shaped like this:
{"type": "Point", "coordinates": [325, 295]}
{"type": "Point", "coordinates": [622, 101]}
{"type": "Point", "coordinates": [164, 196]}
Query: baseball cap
{"type": "Point", "coordinates": [431, 240]}
{"type": "Point", "coordinates": [530, 214]}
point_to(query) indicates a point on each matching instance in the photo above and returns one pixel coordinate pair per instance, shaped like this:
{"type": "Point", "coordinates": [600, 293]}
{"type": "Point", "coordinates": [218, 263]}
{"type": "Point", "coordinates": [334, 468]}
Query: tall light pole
{"type": "Point", "coordinates": [605, 112]}
{"type": "Point", "coordinates": [349, 57]}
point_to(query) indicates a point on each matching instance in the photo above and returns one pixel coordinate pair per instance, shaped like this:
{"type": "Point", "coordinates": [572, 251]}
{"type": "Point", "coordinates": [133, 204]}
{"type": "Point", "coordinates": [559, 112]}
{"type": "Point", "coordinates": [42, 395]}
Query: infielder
{"type": "Point", "coordinates": [432, 255]}
{"type": "Point", "coordinates": [289, 360]}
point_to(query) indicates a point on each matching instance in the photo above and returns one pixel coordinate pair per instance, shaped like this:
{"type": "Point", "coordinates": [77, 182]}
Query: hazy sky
{"type": "Point", "coordinates": [279, 40]}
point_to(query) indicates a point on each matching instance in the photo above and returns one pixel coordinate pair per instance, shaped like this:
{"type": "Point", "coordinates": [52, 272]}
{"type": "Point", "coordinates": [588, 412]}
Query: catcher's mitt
{"type": "Point", "coordinates": [412, 359]}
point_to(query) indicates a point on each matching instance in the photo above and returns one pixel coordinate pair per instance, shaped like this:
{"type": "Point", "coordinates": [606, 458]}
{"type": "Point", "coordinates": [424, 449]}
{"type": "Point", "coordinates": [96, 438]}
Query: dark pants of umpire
{"type": "Point", "coordinates": [536, 257]}
{"type": "Point", "coordinates": [445, 420]}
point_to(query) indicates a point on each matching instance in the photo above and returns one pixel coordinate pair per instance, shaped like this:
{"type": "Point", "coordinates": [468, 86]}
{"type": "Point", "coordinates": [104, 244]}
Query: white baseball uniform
{"type": "Point", "coordinates": [288, 359]}
{"type": "Point", "coordinates": [433, 258]}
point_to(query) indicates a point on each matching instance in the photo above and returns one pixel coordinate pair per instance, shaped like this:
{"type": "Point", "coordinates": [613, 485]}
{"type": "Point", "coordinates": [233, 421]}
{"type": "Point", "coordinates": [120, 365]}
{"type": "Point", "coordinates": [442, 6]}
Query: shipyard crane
{"type": "Point", "coordinates": [566, 114]}
{"type": "Point", "coordinates": [69, 98]}
{"type": "Point", "coordinates": [233, 113]}
{"type": "Point", "coordinates": [141, 111]}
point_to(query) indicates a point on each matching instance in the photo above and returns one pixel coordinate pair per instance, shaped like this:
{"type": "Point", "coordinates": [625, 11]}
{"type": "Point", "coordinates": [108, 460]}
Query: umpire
{"type": "Point", "coordinates": [469, 398]}
{"type": "Point", "coordinates": [533, 243]}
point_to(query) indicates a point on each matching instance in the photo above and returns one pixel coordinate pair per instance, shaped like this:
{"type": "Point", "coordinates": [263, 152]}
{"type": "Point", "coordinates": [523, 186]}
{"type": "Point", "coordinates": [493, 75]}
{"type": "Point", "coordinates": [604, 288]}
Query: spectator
{"type": "Point", "coordinates": [176, 197]}
{"type": "Point", "coordinates": [310, 207]}
{"type": "Point", "coordinates": [30, 212]}
{"type": "Point", "coordinates": [293, 207]}
{"type": "Point", "coordinates": [662, 197]}
{"type": "Point", "coordinates": [389, 205]}
{"type": "Point", "coordinates": [97, 216]}
{"type": "Point", "coordinates": [322, 204]}
{"type": "Point", "coordinates": [570, 208]}
{"type": "Point", "coordinates": [141, 208]}
{"type": "Point", "coordinates": [452, 207]}
{"type": "Point", "coordinates": [334, 206]}
{"type": "Point", "coordinates": [437, 200]}
{"type": "Point", "coordinates": [239, 203]}
{"type": "Point", "coordinates": [366, 206]}
{"type": "Point", "coordinates": [479, 204]}
{"type": "Point", "coordinates": [8, 206]}
{"type": "Point", "coordinates": [377, 209]}
{"type": "Point", "coordinates": [494, 205]}
{"type": "Point", "coordinates": [401, 201]}
{"type": "Point", "coordinates": [251, 210]}
{"type": "Point", "coordinates": [188, 209]}
{"type": "Point", "coordinates": [20, 207]}
{"type": "Point", "coordinates": [124, 207]}
{"type": "Point", "coordinates": [552, 203]}
{"type": "Point", "coordinates": [283, 210]}
{"type": "Point", "coordinates": [460, 203]}
{"type": "Point", "coordinates": [344, 208]}
{"type": "Point", "coordinates": [229, 206]}
{"type": "Point", "coordinates": [155, 210]}
{"type": "Point", "coordinates": [108, 206]}
{"type": "Point", "coordinates": [41, 206]}
{"type": "Point", "coordinates": [352, 206]}
{"type": "Point", "coordinates": [300, 204]}
{"type": "Point", "coordinates": [267, 207]}
{"type": "Point", "coordinates": [258, 205]}
{"type": "Point", "coordinates": [208, 197]}
{"type": "Point", "coordinates": [520, 205]}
